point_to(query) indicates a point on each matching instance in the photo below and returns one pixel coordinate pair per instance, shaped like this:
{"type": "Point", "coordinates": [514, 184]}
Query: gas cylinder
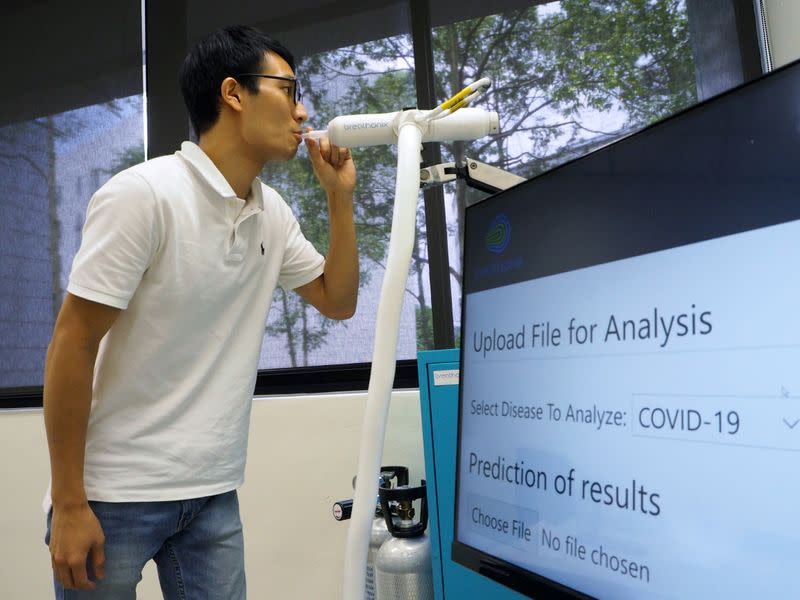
{"type": "Point", "coordinates": [403, 569]}
{"type": "Point", "coordinates": [379, 532]}
{"type": "Point", "coordinates": [378, 535]}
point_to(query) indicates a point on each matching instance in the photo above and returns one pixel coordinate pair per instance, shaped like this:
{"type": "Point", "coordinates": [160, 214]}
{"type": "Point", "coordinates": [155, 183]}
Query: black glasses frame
{"type": "Point", "coordinates": [297, 94]}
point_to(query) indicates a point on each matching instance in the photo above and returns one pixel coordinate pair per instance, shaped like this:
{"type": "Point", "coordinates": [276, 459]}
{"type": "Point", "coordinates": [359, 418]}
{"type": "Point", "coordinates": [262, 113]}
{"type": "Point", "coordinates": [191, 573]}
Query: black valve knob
{"type": "Point", "coordinates": [342, 510]}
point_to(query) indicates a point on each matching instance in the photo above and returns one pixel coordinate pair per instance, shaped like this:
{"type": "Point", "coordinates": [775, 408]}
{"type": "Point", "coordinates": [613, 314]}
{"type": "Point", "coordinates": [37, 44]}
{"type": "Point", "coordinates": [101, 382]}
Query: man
{"type": "Point", "coordinates": [150, 372]}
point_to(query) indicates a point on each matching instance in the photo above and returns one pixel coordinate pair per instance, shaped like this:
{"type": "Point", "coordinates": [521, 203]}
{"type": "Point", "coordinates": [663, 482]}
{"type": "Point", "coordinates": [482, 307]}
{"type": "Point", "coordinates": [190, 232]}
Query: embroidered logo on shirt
{"type": "Point", "coordinates": [262, 248]}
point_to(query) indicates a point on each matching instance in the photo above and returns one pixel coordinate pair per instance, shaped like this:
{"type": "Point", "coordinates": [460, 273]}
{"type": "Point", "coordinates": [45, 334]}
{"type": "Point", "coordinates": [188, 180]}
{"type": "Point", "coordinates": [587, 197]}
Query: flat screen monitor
{"type": "Point", "coordinates": [629, 418]}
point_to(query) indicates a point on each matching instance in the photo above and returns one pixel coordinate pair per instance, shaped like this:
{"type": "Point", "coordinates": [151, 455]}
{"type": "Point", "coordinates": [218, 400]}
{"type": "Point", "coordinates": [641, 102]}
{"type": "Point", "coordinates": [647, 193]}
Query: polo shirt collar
{"type": "Point", "coordinates": [208, 171]}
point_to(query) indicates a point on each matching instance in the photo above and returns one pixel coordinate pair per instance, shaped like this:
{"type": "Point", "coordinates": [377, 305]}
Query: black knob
{"type": "Point", "coordinates": [342, 510]}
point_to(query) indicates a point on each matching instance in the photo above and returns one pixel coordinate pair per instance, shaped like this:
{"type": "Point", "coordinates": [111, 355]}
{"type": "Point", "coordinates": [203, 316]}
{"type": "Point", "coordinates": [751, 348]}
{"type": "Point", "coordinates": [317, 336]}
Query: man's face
{"type": "Point", "coordinates": [271, 121]}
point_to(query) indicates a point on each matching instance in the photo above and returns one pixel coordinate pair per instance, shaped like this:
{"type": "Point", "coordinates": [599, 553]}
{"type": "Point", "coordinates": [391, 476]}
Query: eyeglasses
{"type": "Point", "coordinates": [297, 95]}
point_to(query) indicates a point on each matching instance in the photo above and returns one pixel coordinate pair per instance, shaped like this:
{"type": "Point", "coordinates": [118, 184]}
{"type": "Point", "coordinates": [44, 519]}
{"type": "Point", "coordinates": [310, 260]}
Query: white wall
{"type": "Point", "coordinates": [783, 20]}
{"type": "Point", "coordinates": [302, 457]}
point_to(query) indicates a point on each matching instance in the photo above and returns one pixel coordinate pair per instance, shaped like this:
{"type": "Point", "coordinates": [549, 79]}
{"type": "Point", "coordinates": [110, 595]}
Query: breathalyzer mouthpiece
{"type": "Point", "coordinates": [315, 134]}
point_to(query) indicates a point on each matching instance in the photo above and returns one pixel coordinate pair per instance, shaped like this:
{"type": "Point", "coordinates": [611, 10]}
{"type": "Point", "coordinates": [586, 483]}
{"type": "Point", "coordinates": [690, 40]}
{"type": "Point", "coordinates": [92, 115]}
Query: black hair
{"type": "Point", "coordinates": [224, 53]}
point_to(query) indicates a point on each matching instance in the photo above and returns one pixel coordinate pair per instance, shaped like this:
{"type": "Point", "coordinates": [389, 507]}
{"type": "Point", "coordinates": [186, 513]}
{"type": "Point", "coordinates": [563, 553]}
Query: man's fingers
{"type": "Point", "coordinates": [64, 576]}
{"type": "Point", "coordinates": [72, 573]}
{"type": "Point", "coordinates": [98, 558]}
{"type": "Point", "coordinates": [61, 571]}
{"type": "Point", "coordinates": [325, 149]}
{"type": "Point", "coordinates": [344, 154]}
{"type": "Point", "coordinates": [313, 151]}
{"type": "Point", "coordinates": [79, 575]}
{"type": "Point", "coordinates": [339, 155]}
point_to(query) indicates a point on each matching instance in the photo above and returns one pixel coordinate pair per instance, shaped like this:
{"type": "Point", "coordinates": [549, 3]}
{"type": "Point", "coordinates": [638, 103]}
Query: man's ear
{"type": "Point", "coordinates": [231, 93]}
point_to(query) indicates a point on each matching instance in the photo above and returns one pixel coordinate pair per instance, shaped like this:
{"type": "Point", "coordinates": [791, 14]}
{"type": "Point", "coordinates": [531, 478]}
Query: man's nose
{"type": "Point", "coordinates": [300, 113]}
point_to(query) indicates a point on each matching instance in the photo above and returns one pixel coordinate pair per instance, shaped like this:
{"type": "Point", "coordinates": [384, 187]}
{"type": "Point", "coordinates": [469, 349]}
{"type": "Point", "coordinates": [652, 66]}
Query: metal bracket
{"type": "Point", "coordinates": [474, 173]}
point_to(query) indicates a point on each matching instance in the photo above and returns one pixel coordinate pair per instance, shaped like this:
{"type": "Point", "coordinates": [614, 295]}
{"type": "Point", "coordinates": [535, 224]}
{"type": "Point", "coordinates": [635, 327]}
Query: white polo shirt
{"type": "Point", "coordinates": [194, 269]}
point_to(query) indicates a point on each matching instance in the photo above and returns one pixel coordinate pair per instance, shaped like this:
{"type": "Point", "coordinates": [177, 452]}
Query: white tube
{"type": "Point", "coordinates": [317, 134]}
{"type": "Point", "coordinates": [363, 130]}
{"type": "Point", "coordinates": [401, 244]}
{"type": "Point", "coordinates": [466, 124]}
{"type": "Point", "coordinates": [381, 128]}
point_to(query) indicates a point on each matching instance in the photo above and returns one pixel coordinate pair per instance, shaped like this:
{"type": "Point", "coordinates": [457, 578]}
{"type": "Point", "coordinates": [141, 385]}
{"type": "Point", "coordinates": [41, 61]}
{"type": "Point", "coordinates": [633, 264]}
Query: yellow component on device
{"type": "Point", "coordinates": [457, 98]}
{"type": "Point", "coordinates": [461, 104]}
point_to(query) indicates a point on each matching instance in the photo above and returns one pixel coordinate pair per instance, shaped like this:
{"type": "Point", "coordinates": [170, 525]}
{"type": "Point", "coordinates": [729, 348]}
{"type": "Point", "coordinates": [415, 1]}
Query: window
{"type": "Point", "coordinates": [376, 76]}
{"type": "Point", "coordinates": [79, 120]}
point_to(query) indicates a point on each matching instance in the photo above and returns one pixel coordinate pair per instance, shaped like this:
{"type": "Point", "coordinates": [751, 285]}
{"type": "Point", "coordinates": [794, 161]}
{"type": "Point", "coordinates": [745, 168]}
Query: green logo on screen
{"type": "Point", "coordinates": [499, 234]}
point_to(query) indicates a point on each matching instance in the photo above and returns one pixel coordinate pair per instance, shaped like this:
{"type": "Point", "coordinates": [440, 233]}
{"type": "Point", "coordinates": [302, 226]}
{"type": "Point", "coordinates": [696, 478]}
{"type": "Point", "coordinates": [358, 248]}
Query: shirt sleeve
{"type": "Point", "coordinates": [119, 241]}
{"type": "Point", "coordinates": [302, 263]}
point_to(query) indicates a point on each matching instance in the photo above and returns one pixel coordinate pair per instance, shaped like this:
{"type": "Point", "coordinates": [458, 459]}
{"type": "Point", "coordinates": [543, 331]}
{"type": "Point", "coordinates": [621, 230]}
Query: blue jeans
{"type": "Point", "coordinates": [197, 546]}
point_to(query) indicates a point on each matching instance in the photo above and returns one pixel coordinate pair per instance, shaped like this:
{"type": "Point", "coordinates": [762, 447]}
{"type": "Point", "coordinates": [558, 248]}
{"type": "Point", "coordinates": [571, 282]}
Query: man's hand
{"type": "Point", "coordinates": [333, 166]}
{"type": "Point", "coordinates": [335, 292]}
{"type": "Point", "coordinates": [75, 535]}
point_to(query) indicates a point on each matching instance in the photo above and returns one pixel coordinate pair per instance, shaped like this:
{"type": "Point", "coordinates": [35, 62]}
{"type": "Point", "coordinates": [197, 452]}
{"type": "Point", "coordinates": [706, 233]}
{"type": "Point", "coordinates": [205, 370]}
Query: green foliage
{"type": "Point", "coordinates": [552, 68]}
{"type": "Point", "coordinates": [559, 70]}
{"type": "Point", "coordinates": [556, 71]}
{"type": "Point", "coordinates": [424, 318]}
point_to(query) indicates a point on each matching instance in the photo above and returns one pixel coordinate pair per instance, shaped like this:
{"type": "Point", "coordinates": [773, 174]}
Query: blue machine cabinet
{"type": "Point", "coordinates": [438, 394]}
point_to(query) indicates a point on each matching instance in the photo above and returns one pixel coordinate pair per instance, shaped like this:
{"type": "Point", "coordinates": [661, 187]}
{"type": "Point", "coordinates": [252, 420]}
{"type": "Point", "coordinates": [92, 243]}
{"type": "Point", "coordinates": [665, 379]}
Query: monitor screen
{"type": "Point", "coordinates": [629, 418]}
